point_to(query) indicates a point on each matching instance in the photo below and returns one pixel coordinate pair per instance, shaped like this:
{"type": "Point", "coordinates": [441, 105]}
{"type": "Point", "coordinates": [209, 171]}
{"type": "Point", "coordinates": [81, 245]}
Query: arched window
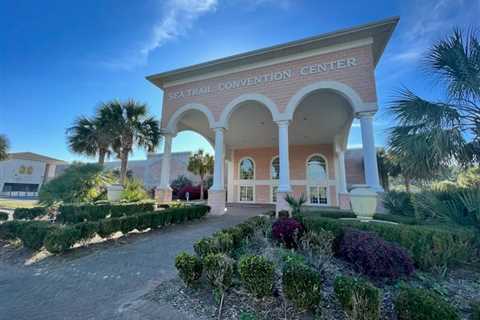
{"type": "Point", "coordinates": [247, 180]}
{"type": "Point", "coordinates": [317, 180]}
{"type": "Point", "coordinates": [274, 175]}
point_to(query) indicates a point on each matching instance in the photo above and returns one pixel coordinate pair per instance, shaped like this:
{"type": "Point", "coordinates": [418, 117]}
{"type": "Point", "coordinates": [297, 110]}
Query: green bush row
{"type": "Point", "coordinates": [75, 213]}
{"type": "Point", "coordinates": [339, 214]}
{"type": "Point", "coordinates": [3, 216]}
{"type": "Point", "coordinates": [429, 246]}
{"type": "Point", "coordinates": [421, 304]}
{"type": "Point", "coordinates": [29, 213]}
{"type": "Point", "coordinates": [59, 238]}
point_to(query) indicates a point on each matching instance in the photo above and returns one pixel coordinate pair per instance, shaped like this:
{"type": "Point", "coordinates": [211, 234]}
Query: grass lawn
{"type": "Point", "coordinates": [17, 203]}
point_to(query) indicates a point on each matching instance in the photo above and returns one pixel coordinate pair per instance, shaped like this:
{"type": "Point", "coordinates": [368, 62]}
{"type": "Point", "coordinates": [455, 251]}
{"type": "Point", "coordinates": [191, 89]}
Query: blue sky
{"type": "Point", "coordinates": [59, 59]}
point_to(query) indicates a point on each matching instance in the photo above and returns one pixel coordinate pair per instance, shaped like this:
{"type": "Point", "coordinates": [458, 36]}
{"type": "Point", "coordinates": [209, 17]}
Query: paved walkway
{"type": "Point", "coordinates": [104, 281]}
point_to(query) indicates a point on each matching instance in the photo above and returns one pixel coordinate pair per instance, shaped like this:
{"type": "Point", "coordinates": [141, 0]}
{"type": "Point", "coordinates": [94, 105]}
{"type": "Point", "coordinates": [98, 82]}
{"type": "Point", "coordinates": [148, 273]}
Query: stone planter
{"type": "Point", "coordinates": [364, 201]}
{"type": "Point", "coordinates": [114, 192]}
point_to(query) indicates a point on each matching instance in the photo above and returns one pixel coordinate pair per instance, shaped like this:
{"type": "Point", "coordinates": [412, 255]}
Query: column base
{"type": "Point", "coordinates": [282, 204]}
{"type": "Point", "coordinates": [163, 194]}
{"type": "Point", "coordinates": [216, 201]}
{"type": "Point", "coordinates": [344, 201]}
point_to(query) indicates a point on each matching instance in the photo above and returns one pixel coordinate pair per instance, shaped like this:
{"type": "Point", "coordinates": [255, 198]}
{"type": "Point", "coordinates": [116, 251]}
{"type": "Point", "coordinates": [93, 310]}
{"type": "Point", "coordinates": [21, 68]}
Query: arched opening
{"type": "Point", "coordinates": [320, 125]}
{"type": "Point", "coordinates": [251, 134]}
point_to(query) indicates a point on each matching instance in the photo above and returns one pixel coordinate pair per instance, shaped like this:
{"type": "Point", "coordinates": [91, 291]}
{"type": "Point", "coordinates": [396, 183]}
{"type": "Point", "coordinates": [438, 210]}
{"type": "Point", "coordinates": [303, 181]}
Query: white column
{"type": "Point", "coordinates": [284, 181]}
{"type": "Point", "coordinates": [369, 151]}
{"type": "Point", "coordinates": [167, 151]}
{"type": "Point", "coordinates": [218, 180]}
{"type": "Point", "coordinates": [342, 180]}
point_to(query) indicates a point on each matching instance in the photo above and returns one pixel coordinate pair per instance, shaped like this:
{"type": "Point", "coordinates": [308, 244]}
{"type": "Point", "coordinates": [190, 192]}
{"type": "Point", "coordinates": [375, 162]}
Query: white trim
{"type": "Point", "coordinates": [347, 92]}
{"type": "Point", "coordinates": [265, 182]}
{"type": "Point", "coordinates": [172, 122]}
{"type": "Point", "coordinates": [298, 56]}
{"type": "Point", "coordinates": [262, 99]}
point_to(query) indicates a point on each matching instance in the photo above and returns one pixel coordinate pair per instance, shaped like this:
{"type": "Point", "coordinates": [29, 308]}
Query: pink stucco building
{"type": "Point", "coordinates": [279, 117]}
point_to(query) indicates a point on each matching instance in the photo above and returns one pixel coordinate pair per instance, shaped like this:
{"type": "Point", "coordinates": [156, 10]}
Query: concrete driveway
{"type": "Point", "coordinates": [105, 281]}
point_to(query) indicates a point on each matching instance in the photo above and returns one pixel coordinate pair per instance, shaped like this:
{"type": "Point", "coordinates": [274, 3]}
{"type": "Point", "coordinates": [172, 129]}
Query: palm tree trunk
{"type": "Point", "coordinates": [123, 167]}
{"type": "Point", "coordinates": [407, 183]}
{"type": "Point", "coordinates": [201, 188]}
{"type": "Point", "coordinates": [101, 156]}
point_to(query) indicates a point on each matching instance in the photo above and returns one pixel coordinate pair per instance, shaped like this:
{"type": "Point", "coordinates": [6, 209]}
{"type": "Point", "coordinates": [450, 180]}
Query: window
{"type": "Point", "coordinates": [246, 193]}
{"type": "Point", "coordinates": [274, 193]}
{"type": "Point", "coordinates": [317, 180]}
{"type": "Point", "coordinates": [247, 169]}
{"type": "Point", "coordinates": [247, 180]}
{"type": "Point", "coordinates": [274, 175]}
{"type": "Point", "coordinates": [20, 187]}
{"type": "Point", "coordinates": [275, 169]}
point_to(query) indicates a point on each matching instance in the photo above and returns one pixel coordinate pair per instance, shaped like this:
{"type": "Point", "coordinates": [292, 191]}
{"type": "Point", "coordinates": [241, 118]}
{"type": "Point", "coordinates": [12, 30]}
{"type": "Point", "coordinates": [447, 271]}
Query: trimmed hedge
{"type": "Point", "coordinates": [341, 213]}
{"type": "Point", "coordinates": [302, 285]}
{"type": "Point", "coordinates": [59, 238]}
{"type": "Point", "coordinates": [189, 268]}
{"type": "Point", "coordinates": [29, 213]}
{"type": "Point", "coordinates": [75, 213]}
{"type": "Point", "coordinates": [257, 274]}
{"type": "Point", "coordinates": [429, 246]}
{"type": "Point", "coordinates": [421, 304]}
{"type": "Point", "coordinates": [3, 216]}
{"type": "Point", "coordinates": [359, 298]}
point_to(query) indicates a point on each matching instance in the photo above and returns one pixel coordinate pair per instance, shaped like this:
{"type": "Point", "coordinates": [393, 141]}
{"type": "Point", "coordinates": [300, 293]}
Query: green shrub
{"type": "Point", "coordinates": [74, 213]}
{"type": "Point", "coordinates": [29, 213]}
{"type": "Point", "coordinates": [430, 246]}
{"type": "Point", "coordinates": [219, 271]}
{"type": "Point", "coordinates": [189, 268]}
{"type": "Point", "coordinates": [420, 304]}
{"type": "Point", "coordinates": [257, 275]}
{"type": "Point", "coordinates": [223, 241]}
{"type": "Point", "coordinates": [302, 285]}
{"type": "Point", "coordinates": [359, 299]}
{"type": "Point", "coordinates": [128, 224]}
{"type": "Point", "coordinates": [134, 191]}
{"type": "Point", "coordinates": [108, 227]}
{"type": "Point", "coordinates": [399, 203]}
{"type": "Point", "coordinates": [33, 234]}
{"type": "Point", "coordinates": [3, 216]}
{"type": "Point", "coordinates": [11, 229]}
{"type": "Point", "coordinates": [204, 246]}
{"type": "Point", "coordinates": [87, 229]}
{"type": "Point", "coordinates": [247, 316]}
{"type": "Point", "coordinates": [60, 239]}
{"type": "Point", "coordinates": [476, 310]}
{"type": "Point", "coordinates": [145, 220]}
{"type": "Point", "coordinates": [78, 183]}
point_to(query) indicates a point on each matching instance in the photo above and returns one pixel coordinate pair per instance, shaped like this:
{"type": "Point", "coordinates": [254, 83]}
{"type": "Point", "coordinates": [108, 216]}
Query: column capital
{"type": "Point", "coordinates": [166, 132]}
{"type": "Point", "coordinates": [219, 129]}
{"type": "Point", "coordinates": [283, 123]}
{"type": "Point", "coordinates": [365, 114]}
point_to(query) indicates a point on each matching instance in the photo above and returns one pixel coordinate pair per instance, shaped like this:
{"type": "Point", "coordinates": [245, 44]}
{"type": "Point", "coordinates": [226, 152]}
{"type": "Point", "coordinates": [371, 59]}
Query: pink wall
{"type": "Point", "coordinates": [359, 77]}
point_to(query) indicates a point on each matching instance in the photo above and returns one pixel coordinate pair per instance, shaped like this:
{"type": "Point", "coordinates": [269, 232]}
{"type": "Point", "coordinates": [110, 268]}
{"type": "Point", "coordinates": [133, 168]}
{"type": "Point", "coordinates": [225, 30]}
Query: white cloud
{"type": "Point", "coordinates": [427, 21]}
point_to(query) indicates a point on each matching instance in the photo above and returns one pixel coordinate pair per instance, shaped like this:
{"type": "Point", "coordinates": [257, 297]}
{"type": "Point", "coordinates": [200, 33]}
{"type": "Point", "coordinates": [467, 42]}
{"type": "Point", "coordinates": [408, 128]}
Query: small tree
{"type": "Point", "coordinates": [201, 164]}
{"type": "Point", "coordinates": [79, 183]}
{"type": "Point", "coordinates": [4, 146]}
{"type": "Point", "coordinates": [295, 204]}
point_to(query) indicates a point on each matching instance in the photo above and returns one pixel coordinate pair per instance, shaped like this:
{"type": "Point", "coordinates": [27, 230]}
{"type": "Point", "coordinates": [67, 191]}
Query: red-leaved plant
{"type": "Point", "coordinates": [373, 256]}
{"type": "Point", "coordinates": [288, 231]}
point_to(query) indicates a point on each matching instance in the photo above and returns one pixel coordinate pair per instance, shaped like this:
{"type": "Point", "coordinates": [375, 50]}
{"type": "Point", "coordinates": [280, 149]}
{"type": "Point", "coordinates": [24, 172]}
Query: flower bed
{"type": "Point", "coordinates": [58, 238]}
{"type": "Point", "coordinates": [304, 280]}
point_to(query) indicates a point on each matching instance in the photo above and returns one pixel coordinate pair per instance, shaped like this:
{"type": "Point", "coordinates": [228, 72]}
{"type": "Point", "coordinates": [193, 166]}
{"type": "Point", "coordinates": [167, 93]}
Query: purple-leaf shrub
{"type": "Point", "coordinates": [287, 231]}
{"type": "Point", "coordinates": [373, 256]}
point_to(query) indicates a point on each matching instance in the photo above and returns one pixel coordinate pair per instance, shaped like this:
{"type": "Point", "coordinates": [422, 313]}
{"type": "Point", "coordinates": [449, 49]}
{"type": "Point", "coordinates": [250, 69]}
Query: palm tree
{"type": "Point", "coordinates": [201, 164]}
{"type": "Point", "coordinates": [4, 146]}
{"type": "Point", "coordinates": [432, 135]}
{"type": "Point", "coordinates": [131, 127]}
{"type": "Point", "coordinates": [90, 136]}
